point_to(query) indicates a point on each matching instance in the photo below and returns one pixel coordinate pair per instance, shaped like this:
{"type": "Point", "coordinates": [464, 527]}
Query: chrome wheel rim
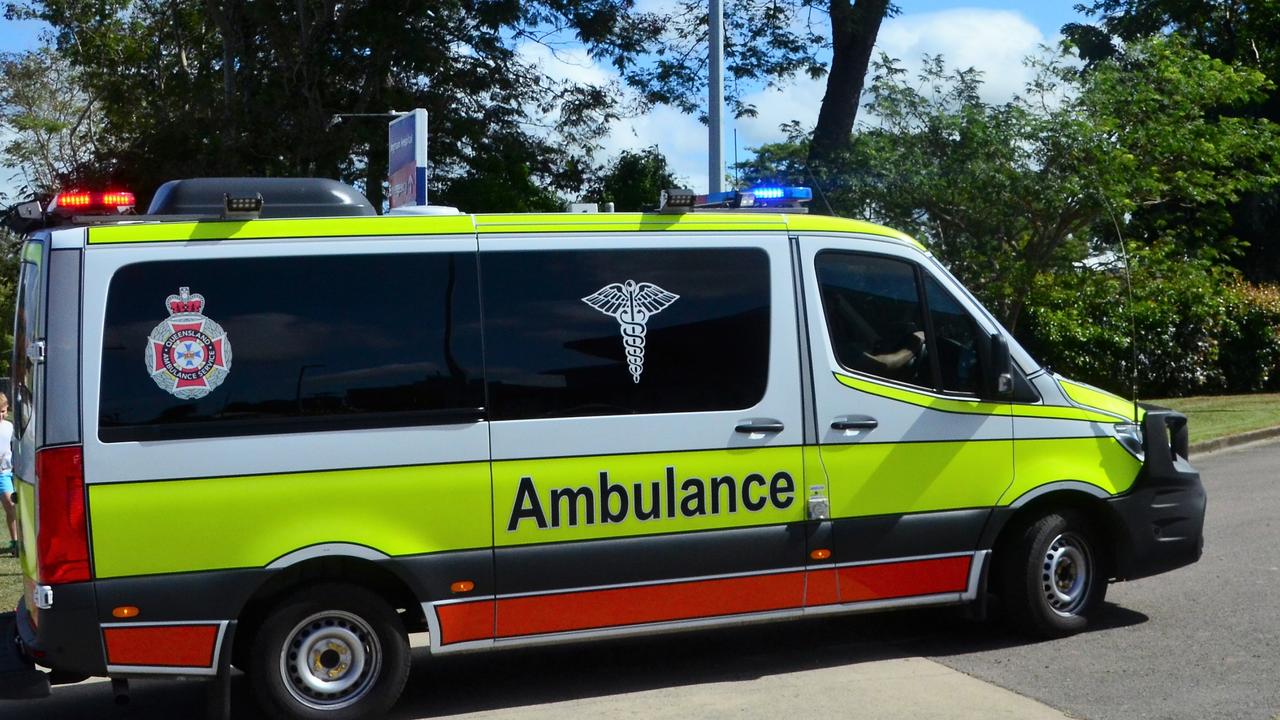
{"type": "Point", "coordinates": [1067, 574]}
{"type": "Point", "coordinates": [330, 660]}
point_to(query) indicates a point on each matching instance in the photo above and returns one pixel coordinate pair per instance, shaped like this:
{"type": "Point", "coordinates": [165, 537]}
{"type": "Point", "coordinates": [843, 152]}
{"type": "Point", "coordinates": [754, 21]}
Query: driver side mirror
{"type": "Point", "coordinates": [998, 369]}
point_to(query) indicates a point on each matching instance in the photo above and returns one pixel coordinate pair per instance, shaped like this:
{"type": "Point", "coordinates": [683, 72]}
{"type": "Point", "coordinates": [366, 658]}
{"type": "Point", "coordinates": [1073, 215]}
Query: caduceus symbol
{"type": "Point", "coordinates": [631, 304]}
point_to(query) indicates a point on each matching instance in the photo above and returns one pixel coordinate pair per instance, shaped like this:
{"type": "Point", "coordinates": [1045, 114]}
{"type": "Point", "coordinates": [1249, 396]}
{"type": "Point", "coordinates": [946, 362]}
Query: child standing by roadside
{"type": "Point", "coordinates": [6, 474]}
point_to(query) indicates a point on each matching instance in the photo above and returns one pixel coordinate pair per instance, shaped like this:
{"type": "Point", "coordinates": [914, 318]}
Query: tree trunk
{"type": "Point", "coordinates": [854, 26]}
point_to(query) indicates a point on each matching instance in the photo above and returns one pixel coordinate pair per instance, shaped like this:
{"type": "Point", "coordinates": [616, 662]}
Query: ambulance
{"type": "Point", "coordinates": [262, 427]}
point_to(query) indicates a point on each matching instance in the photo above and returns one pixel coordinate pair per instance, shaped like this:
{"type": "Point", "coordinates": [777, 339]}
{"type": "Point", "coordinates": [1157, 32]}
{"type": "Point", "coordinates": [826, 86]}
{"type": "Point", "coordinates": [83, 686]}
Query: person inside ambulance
{"type": "Point", "coordinates": [896, 351]}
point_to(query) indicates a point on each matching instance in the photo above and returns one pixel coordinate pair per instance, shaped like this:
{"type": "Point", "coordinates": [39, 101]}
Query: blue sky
{"type": "Point", "coordinates": [991, 36]}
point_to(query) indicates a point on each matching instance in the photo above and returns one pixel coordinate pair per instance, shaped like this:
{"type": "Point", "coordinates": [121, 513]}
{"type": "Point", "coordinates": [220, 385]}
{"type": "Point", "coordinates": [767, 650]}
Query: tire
{"type": "Point", "coordinates": [358, 650]}
{"type": "Point", "coordinates": [1052, 575]}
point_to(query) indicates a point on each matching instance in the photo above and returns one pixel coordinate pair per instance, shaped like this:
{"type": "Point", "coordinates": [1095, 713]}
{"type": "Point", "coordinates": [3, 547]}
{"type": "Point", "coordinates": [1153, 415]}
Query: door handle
{"type": "Point", "coordinates": [760, 426]}
{"type": "Point", "coordinates": [854, 422]}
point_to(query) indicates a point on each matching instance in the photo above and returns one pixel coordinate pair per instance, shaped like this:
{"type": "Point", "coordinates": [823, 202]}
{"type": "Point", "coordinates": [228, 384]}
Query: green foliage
{"type": "Point", "coordinates": [249, 87]}
{"type": "Point", "coordinates": [1199, 328]}
{"type": "Point", "coordinates": [51, 126]}
{"type": "Point", "coordinates": [1015, 197]}
{"type": "Point", "coordinates": [633, 181]}
{"type": "Point", "coordinates": [1241, 32]}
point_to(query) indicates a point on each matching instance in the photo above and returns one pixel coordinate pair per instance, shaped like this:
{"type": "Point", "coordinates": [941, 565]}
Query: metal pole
{"type": "Point", "coordinates": [715, 95]}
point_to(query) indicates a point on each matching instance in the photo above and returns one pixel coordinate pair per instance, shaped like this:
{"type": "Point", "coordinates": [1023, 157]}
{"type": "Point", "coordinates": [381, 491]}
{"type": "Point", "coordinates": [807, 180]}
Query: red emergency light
{"type": "Point", "coordinates": [84, 202]}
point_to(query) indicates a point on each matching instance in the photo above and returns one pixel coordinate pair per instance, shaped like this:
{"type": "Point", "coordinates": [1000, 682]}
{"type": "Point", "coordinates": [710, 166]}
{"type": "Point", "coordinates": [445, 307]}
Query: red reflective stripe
{"type": "Point", "coordinates": [821, 588]}
{"type": "Point", "coordinates": [904, 579]}
{"type": "Point", "coordinates": [461, 622]}
{"type": "Point", "coordinates": [590, 609]}
{"type": "Point", "coordinates": [161, 645]}
{"type": "Point", "coordinates": [649, 603]}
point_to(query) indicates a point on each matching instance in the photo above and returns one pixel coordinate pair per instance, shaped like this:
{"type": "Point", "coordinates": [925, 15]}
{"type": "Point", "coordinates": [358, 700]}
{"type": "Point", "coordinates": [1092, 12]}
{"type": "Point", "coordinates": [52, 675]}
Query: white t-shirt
{"type": "Point", "coordinates": [6, 449]}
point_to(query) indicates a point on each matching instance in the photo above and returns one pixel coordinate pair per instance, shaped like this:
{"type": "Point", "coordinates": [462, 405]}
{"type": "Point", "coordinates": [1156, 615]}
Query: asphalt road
{"type": "Point", "coordinates": [1201, 642]}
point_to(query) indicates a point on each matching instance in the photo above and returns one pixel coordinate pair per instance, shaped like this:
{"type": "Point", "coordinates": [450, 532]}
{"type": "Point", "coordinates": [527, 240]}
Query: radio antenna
{"type": "Point", "coordinates": [1133, 318]}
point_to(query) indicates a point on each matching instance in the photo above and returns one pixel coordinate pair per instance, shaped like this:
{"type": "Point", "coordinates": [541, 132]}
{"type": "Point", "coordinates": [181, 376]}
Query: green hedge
{"type": "Point", "coordinates": [1200, 328]}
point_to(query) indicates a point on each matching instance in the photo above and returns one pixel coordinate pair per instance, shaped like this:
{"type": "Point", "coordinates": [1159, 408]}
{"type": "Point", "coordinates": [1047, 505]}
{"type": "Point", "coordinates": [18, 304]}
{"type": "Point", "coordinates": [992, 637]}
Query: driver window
{"type": "Point", "coordinates": [955, 340]}
{"type": "Point", "coordinates": [874, 316]}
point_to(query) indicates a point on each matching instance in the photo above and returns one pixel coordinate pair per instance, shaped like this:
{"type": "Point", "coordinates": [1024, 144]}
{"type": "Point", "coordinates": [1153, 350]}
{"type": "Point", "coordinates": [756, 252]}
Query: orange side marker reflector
{"type": "Point", "coordinates": [463, 586]}
{"type": "Point", "coordinates": [125, 611]}
{"type": "Point", "coordinates": [820, 554]}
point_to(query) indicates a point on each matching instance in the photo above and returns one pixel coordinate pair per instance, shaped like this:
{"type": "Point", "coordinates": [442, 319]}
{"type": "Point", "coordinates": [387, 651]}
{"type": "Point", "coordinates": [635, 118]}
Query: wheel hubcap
{"type": "Point", "coordinates": [1067, 574]}
{"type": "Point", "coordinates": [330, 660]}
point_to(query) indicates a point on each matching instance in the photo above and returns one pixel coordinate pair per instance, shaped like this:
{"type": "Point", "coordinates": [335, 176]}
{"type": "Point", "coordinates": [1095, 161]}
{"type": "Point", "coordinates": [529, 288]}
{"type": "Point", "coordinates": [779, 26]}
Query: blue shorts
{"type": "Point", "coordinates": [6, 482]}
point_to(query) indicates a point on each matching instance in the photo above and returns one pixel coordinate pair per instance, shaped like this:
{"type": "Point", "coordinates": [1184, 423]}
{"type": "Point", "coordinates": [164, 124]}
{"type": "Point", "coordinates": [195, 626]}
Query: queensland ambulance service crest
{"type": "Point", "coordinates": [188, 355]}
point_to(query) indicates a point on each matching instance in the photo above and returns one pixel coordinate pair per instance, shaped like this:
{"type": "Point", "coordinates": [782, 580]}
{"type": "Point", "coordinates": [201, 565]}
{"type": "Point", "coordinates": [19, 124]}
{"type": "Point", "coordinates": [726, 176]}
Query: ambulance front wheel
{"type": "Point", "coordinates": [1052, 575]}
{"type": "Point", "coordinates": [330, 651]}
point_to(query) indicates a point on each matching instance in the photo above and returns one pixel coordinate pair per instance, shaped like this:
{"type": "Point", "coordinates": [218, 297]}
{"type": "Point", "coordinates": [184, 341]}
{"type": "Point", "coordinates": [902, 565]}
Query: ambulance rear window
{"type": "Point", "coordinates": [296, 344]}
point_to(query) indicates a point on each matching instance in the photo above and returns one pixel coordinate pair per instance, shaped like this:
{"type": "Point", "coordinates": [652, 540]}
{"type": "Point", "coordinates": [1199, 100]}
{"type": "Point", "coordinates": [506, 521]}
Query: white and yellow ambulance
{"type": "Point", "coordinates": [261, 426]}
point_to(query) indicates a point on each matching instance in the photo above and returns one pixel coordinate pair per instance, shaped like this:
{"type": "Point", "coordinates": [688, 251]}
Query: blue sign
{"type": "Point", "coordinates": [407, 159]}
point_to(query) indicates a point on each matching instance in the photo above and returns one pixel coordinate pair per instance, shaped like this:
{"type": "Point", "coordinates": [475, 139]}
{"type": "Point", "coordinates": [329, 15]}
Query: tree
{"type": "Point", "coordinates": [52, 125]}
{"type": "Point", "coordinates": [1007, 193]}
{"type": "Point", "coordinates": [633, 181]}
{"type": "Point", "coordinates": [769, 42]}
{"type": "Point", "coordinates": [210, 87]}
{"type": "Point", "coordinates": [1235, 31]}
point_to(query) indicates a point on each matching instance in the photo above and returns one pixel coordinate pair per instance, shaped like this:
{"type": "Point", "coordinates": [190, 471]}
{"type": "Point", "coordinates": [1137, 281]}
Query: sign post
{"type": "Point", "coordinates": [407, 159]}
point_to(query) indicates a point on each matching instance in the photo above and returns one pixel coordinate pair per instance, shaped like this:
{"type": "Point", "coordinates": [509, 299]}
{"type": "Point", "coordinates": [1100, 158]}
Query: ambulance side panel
{"type": "Point", "coordinates": [349, 423]}
{"type": "Point", "coordinates": [647, 468]}
{"type": "Point", "coordinates": [912, 470]}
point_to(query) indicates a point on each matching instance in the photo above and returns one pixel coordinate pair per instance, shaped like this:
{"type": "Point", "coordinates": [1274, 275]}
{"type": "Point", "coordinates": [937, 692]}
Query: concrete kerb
{"type": "Point", "coordinates": [1222, 443]}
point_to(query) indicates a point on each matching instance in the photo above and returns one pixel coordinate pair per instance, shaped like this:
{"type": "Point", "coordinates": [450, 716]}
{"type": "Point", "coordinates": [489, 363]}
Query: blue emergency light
{"type": "Point", "coordinates": [783, 198]}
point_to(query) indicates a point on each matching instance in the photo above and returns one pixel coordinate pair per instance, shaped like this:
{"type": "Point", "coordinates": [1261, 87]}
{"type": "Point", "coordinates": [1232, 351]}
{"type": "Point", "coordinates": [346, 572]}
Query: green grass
{"type": "Point", "coordinates": [1213, 417]}
{"type": "Point", "coordinates": [10, 577]}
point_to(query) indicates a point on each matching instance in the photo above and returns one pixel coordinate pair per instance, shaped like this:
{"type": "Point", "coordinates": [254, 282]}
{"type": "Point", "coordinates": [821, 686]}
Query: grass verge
{"type": "Point", "coordinates": [10, 578]}
{"type": "Point", "coordinates": [1212, 417]}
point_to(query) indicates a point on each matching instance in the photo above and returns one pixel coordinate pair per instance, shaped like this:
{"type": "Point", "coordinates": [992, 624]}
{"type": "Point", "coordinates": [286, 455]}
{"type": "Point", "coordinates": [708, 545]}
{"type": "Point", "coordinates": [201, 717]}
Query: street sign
{"type": "Point", "coordinates": [407, 156]}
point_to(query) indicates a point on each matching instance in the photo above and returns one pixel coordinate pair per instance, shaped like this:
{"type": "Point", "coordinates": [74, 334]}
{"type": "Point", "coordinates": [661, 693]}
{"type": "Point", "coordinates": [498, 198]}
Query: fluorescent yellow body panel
{"type": "Point", "coordinates": [280, 228]}
{"type": "Point", "coordinates": [27, 520]}
{"type": "Point", "coordinates": [972, 407]}
{"type": "Point", "coordinates": [1095, 398]}
{"type": "Point", "coordinates": [627, 222]}
{"type": "Point", "coordinates": [32, 252]}
{"type": "Point", "coordinates": [390, 225]}
{"type": "Point", "coordinates": [234, 522]}
{"type": "Point", "coordinates": [1099, 461]}
{"type": "Point", "coordinates": [827, 223]}
{"type": "Point", "coordinates": [628, 470]}
{"type": "Point", "coordinates": [893, 478]}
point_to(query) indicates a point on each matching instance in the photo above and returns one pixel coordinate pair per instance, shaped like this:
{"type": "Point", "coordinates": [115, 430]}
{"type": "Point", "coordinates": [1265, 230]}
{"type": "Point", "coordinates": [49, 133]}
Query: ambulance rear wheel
{"type": "Point", "coordinates": [1052, 575]}
{"type": "Point", "coordinates": [330, 651]}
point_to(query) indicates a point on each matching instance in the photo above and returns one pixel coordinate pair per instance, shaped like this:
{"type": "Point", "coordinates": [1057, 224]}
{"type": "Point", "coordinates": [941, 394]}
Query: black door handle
{"type": "Point", "coordinates": [759, 426]}
{"type": "Point", "coordinates": [854, 422]}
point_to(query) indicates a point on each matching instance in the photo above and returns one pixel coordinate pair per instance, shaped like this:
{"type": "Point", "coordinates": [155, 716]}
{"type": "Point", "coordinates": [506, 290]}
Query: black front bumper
{"type": "Point", "coordinates": [1160, 522]}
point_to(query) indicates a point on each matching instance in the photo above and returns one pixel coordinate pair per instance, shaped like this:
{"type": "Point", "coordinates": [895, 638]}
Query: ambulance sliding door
{"type": "Point", "coordinates": [646, 429]}
{"type": "Point", "coordinates": [914, 459]}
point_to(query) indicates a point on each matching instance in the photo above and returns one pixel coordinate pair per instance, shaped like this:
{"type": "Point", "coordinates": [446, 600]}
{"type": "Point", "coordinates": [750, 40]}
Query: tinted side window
{"type": "Point", "coordinates": [874, 316]}
{"type": "Point", "coordinates": [26, 331]}
{"type": "Point", "coordinates": [615, 332]}
{"type": "Point", "coordinates": [955, 342]}
{"type": "Point", "coordinates": [311, 343]}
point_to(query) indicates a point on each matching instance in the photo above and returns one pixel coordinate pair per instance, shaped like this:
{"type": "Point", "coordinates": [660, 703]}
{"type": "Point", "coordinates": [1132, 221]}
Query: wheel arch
{"type": "Point", "coordinates": [382, 577]}
{"type": "Point", "coordinates": [1084, 498]}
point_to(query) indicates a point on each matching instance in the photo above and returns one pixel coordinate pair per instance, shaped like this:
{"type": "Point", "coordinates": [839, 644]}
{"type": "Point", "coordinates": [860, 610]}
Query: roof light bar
{"type": "Point", "coordinates": [86, 202]}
